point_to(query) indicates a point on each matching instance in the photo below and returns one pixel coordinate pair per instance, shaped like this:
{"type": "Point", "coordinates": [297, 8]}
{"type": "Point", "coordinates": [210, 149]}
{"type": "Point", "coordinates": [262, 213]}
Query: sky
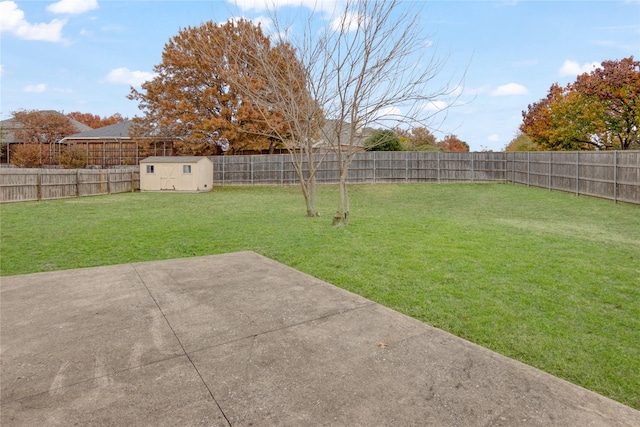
{"type": "Point", "coordinates": [501, 56]}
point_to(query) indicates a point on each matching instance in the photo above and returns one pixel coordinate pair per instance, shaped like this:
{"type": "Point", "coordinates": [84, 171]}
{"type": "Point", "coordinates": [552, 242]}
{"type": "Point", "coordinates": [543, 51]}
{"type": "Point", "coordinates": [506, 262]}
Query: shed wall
{"type": "Point", "coordinates": [171, 176]}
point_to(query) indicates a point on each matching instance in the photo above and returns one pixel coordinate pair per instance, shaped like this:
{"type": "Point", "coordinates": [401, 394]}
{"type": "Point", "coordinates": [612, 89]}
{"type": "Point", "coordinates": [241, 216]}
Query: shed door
{"type": "Point", "coordinates": [167, 177]}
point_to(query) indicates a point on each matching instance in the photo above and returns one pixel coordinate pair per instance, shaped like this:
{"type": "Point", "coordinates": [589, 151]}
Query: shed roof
{"type": "Point", "coordinates": [174, 159]}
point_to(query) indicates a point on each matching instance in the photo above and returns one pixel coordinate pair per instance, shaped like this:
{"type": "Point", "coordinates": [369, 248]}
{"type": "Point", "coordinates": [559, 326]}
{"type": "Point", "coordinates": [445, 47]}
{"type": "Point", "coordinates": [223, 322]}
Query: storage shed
{"type": "Point", "coordinates": [176, 173]}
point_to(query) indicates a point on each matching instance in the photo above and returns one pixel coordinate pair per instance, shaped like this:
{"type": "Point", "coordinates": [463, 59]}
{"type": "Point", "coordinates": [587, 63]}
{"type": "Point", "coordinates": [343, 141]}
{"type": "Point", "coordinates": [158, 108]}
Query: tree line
{"type": "Point", "coordinates": [37, 128]}
{"type": "Point", "coordinates": [599, 111]}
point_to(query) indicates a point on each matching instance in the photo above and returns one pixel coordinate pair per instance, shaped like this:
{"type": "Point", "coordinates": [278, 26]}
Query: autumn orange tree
{"type": "Point", "coordinates": [95, 121]}
{"type": "Point", "coordinates": [191, 99]}
{"type": "Point", "coordinates": [600, 110]}
{"type": "Point", "coordinates": [41, 129]}
{"type": "Point", "coordinates": [269, 75]}
{"type": "Point", "coordinates": [417, 139]}
{"type": "Point", "coordinates": [615, 89]}
{"type": "Point", "coordinates": [454, 144]}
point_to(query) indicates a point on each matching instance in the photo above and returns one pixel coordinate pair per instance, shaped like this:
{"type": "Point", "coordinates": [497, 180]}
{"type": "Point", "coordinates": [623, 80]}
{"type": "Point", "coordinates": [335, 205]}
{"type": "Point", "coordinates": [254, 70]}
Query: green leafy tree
{"type": "Point", "coordinates": [521, 142]}
{"type": "Point", "coordinates": [383, 140]}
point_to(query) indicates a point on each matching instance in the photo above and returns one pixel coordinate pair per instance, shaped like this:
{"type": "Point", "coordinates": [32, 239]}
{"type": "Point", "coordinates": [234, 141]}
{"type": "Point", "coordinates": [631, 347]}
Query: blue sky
{"type": "Point", "coordinates": [83, 55]}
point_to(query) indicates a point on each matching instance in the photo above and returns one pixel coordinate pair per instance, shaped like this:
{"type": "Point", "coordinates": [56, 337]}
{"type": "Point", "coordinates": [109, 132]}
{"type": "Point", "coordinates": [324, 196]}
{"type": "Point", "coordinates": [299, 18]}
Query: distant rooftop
{"type": "Point", "coordinates": [118, 130]}
{"type": "Point", "coordinates": [9, 125]}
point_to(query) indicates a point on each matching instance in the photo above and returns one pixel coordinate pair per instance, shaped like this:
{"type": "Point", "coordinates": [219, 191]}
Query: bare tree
{"type": "Point", "coordinates": [371, 65]}
{"type": "Point", "coordinates": [271, 77]}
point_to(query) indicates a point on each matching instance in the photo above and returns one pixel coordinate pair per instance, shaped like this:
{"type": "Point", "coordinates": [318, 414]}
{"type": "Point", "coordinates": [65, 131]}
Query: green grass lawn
{"type": "Point", "coordinates": [547, 278]}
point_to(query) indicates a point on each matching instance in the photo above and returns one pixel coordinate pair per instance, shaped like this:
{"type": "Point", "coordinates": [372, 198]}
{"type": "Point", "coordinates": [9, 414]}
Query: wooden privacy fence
{"type": "Point", "coordinates": [45, 184]}
{"type": "Point", "coordinates": [368, 167]}
{"type": "Point", "coordinates": [612, 175]}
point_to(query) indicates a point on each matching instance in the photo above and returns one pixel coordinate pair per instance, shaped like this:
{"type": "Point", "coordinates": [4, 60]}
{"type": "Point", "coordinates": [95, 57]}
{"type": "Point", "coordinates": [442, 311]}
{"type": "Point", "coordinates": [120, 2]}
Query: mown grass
{"type": "Point", "coordinates": [547, 278]}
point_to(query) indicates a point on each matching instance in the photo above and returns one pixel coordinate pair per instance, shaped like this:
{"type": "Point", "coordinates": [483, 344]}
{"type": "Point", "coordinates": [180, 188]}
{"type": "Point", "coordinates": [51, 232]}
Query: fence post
{"type": "Point", "coordinates": [251, 168]}
{"type": "Point", "coordinates": [39, 186]}
{"type": "Point", "coordinates": [577, 173]}
{"type": "Point", "coordinates": [375, 179]}
{"type": "Point", "coordinates": [406, 166]}
{"type": "Point", "coordinates": [513, 167]}
{"type": "Point", "coordinates": [78, 183]}
{"type": "Point", "coordinates": [281, 169]}
{"type": "Point", "coordinates": [615, 176]}
{"type": "Point", "coordinates": [506, 167]}
{"type": "Point", "coordinates": [438, 165]}
{"type": "Point", "coordinates": [528, 168]}
{"type": "Point", "coordinates": [473, 172]}
{"type": "Point", "coordinates": [550, 167]}
{"type": "Point", "coordinates": [108, 181]}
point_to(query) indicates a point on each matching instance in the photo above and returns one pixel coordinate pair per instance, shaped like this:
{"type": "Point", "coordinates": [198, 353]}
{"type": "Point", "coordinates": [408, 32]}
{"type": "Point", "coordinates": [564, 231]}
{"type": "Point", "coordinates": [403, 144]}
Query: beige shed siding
{"type": "Point", "coordinates": [169, 174]}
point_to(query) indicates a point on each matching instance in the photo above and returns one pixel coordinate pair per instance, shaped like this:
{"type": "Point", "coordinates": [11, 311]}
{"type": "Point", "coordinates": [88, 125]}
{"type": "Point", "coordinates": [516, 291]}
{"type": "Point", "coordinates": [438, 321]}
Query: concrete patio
{"type": "Point", "coordinates": [241, 340]}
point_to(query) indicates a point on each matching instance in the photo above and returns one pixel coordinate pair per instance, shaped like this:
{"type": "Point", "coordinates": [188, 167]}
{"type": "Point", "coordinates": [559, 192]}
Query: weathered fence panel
{"type": "Point", "coordinates": [612, 175]}
{"type": "Point", "coordinates": [627, 176]}
{"type": "Point", "coordinates": [609, 174]}
{"type": "Point", "coordinates": [46, 184]}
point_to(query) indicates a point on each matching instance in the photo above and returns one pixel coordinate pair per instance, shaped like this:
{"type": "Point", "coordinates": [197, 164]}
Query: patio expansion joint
{"type": "Point", "coordinates": [181, 345]}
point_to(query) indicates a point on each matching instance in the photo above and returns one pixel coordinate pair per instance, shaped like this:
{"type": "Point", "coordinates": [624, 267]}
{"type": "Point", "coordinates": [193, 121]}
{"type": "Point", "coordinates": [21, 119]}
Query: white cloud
{"type": "Point", "coordinates": [572, 68]}
{"type": "Point", "coordinates": [73, 7]}
{"type": "Point", "coordinates": [1, 70]}
{"type": "Point", "coordinates": [456, 91]}
{"type": "Point", "coordinates": [510, 89]}
{"type": "Point", "coordinates": [439, 105]}
{"type": "Point", "coordinates": [263, 21]}
{"type": "Point", "coordinates": [39, 88]}
{"type": "Point", "coordinates": [389, 112]}
{"type": "Point", "coordinates": [125, 76]}
{"type": "Point", "coordinates": [493, 138]}
{"type": "Point", "coordinates": [348, 22]}
{"type": "Point", "coordinates": [259, 5]}
{"type": "Point", "coordinates": [12, 21]}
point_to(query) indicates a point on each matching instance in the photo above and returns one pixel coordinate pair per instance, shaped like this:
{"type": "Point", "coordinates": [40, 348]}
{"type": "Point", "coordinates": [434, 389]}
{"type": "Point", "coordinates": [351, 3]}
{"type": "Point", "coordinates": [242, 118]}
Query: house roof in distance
{"type": "Point", "coordinates": [118, 130]}
{"type": "Point", "coordinates": [9, 125]}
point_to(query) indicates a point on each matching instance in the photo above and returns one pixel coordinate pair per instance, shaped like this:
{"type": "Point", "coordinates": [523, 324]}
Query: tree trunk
{"type": "Point", "coordinates": [311, 198]}
{"type": "Point", "coordinates": [341, 217]}
{"type": "Point", "coordinates": [309, 193]}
